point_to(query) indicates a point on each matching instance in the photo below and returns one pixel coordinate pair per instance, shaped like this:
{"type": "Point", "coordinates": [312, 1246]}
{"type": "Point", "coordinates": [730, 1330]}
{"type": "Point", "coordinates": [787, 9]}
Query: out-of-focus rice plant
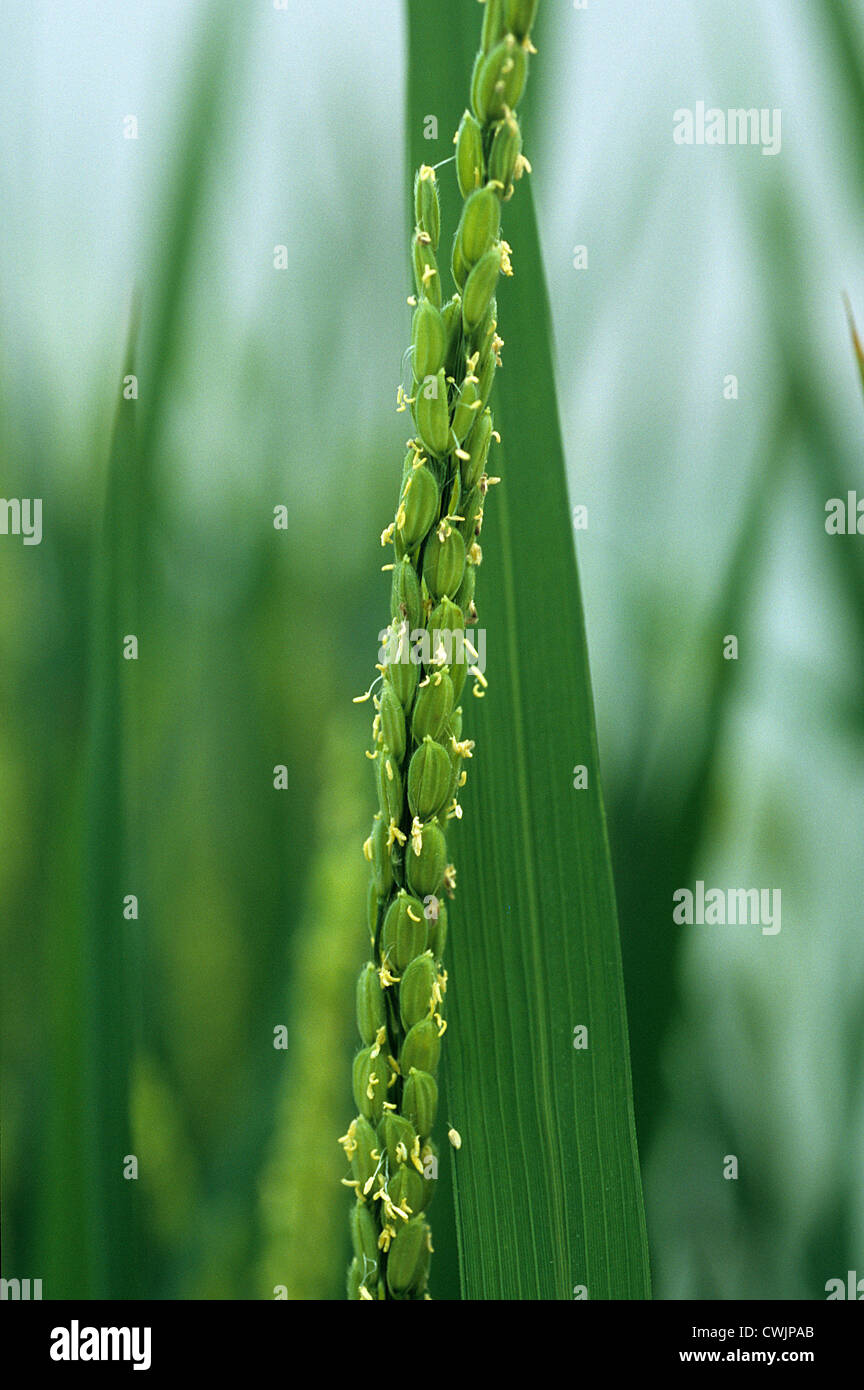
{"type": "Point", "coordinates": [261, 387]}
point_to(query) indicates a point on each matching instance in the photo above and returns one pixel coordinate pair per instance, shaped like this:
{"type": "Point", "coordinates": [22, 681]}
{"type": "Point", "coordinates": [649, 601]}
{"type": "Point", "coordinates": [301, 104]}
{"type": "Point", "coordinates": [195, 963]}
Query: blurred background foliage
{"type": "Point", "coordinates": [258, 387]}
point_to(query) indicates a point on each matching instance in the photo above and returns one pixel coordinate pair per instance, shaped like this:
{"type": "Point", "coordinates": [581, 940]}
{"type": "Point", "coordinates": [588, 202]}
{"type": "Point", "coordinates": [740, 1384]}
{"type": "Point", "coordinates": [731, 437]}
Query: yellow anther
{"type": "Point", "coordinates": [416, 835]}
{"type": "Point", "coordinates": [349, 1142]}
{"type": "Point", "coordinates": [394, 833]}
{"type": "Point", "coordinates": [386, 978]}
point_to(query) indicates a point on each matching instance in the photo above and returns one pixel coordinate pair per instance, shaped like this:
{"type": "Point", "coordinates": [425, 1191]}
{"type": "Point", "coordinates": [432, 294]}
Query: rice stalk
{"type": "Point", "coordinates": [419, 752]}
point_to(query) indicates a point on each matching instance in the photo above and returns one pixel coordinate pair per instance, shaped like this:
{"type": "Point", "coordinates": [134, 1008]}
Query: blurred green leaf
{"type": "Point", "coordinates": [548, 1192]}
{"type": "Point", "coordinates": [856, 341]}
{"type": "Point", "coordinates": [659, 825]}
{"type": "Point", "coordinates": [109, 993]}
{"type": "Point", "coordinates": [832, 455]}
{"type": "Point", "coordinates": [842, 30]}
{"type": "Point", "coordinates": [220, 49]}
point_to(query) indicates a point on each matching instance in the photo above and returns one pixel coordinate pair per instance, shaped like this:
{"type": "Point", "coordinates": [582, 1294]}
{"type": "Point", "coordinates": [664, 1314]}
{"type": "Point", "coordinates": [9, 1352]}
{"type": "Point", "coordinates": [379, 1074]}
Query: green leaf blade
{"type": "Point", "coordinates": [548, 1190]}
